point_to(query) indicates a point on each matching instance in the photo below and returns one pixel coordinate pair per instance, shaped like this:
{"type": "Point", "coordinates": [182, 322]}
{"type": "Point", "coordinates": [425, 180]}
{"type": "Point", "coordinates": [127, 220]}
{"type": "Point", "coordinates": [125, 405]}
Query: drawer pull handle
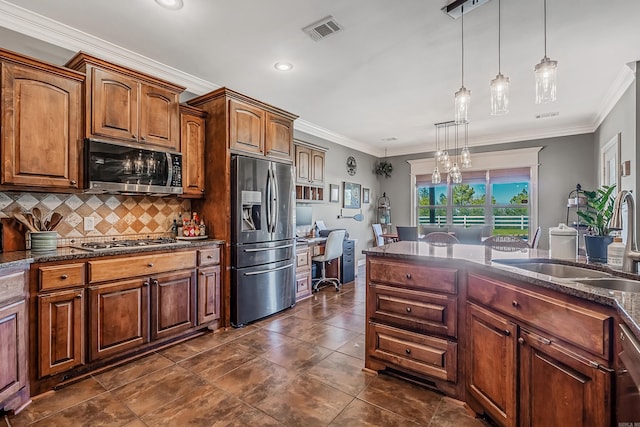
{"type": "Point", "coordinates": [408, 275]}
{"type": "Point", "coordinates": [545, 341]}
{"type": "Point", "coordinates": [515, 303]}
{"type": "Point", "coordinates": [521, 340]}
{"type": "Point", "coordinates": [408, 309]}
{"type": "Point", "coordinates": [64, 277]}
{"type": "Point", "coordinates": [408, 351]}
{"type": "Point", "coordinates": [150, 265]}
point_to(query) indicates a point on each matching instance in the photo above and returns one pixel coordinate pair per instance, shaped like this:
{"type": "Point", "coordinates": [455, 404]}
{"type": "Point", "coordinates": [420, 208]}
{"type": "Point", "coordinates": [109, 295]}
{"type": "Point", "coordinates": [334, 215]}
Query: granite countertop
{"type": "Point", "coordinates": [626, 303]}
{"type": "Point", "coordinates": [12, 259]}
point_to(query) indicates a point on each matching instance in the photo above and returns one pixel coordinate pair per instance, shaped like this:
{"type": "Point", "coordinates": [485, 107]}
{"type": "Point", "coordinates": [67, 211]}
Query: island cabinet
{"type": "Point", "coordinates": [192, 122]}
{"type": "Point", "coordinates": [129, 106]}
{"type": "Point", "coordinates": [41, 124]}
{"type": "Point", "coordinates": [412, 321]}
{"type": "Point", "coordinates": [535, 357]}
{"type": "Point", "coordinates": [14, 388]}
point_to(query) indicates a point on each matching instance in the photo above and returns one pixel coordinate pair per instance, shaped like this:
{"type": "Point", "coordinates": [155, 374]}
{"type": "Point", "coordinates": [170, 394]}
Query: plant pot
{"type": "Point", "coordinates": [596, 247]}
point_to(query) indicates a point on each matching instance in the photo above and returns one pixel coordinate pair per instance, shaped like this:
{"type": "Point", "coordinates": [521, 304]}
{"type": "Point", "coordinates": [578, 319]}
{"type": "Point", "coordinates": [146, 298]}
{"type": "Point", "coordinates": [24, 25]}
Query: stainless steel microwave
{"type": "Point", "coordinates": [120, 168]}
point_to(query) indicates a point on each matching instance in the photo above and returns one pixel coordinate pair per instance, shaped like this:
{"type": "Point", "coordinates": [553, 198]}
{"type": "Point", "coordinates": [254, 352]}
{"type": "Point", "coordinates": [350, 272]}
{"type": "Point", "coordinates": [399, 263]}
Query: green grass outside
{"type": "Point", "coordinates": [515, 231]}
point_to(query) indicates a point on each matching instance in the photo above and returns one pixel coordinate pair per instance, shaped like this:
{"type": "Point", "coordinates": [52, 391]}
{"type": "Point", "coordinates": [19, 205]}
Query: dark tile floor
{"type": "Point", "coordinates": [302, 367]}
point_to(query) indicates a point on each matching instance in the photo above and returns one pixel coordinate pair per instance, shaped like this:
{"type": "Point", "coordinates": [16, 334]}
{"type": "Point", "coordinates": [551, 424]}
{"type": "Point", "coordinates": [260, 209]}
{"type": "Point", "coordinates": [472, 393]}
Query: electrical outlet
{"type": "Point", "coordinates": [89, 224]}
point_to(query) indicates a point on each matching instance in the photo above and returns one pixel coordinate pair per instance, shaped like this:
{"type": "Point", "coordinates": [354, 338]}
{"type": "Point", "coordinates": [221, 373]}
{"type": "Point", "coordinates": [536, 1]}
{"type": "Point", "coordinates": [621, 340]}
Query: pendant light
{"type": "Point", "coordinates": [463, 95]}
{"type": "Point", "coordinates": [545, 72]}
{"type": "Point", "coordinates": [436, 178]}
{"type": "Point", "coordinates": [454, 172]}
{"type": "Point", "coordinates": [446, 159]}
{"type": "Point", "coordinates": [499, 85]}
{"type": "Point", "coordinates": [465, 154]}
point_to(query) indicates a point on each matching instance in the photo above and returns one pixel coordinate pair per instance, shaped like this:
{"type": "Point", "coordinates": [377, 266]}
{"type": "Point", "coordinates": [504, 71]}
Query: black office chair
{"type": "Point", "coordinates": [407, 233]}
{"type": "Point", "coordinates": [332, 251]}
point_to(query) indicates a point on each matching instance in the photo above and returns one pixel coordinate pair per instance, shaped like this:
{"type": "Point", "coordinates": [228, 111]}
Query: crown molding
{"type": "Point", "coordinates": [315, 130]}
{"type": "Point", "coordinates": [625, 78]}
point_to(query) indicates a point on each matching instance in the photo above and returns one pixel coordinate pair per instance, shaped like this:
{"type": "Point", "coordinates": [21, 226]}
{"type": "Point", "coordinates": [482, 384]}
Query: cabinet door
{"type": "Point", "coordinates": [208, 294]}
{"type": "Point", "coordinates": [246, 127]}
{"type": "Point", "coordinates": [278, 137]}
{"type": "Point", "coordinates": [172, 303]}
{"type": "Point", "coordinates": [560, 387]}
{"type": "Point", "coordinates": [303, 164]}
{"type": "Point", "coordinates": [13, 353]}
{"type": "Point", "coordinates": [317, 167]}
{"type": "Point", "coordinates": [192, 146]}
{"type": "Point", "coordinates": [303, 285]}
{"type": "Point", "coordinates": [114, 105]}
{"type": "Point", "coordinates": [119, 314]}
{"type": "Point", "coordinates": [41, 128]}
{"type": "Point", "coordinates": [60, 331]}
{"type": "Point", "coordinates": [159, 117]}
{"type": "Point", "coordinates": [491, 367]}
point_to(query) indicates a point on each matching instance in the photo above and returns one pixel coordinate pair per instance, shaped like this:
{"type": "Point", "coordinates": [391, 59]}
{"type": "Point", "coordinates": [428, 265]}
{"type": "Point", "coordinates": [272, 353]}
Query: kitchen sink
{"type": "Point", "coordinates": [613, 283]}
{"type": "Point", "coordinates": [562, 271]}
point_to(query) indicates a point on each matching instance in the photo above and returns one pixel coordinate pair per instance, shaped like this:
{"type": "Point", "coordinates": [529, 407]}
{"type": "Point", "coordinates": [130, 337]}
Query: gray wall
{"type": "Point", "coordinates": [564, 162]}
{"type": "Point", "coordinates": [336, 173]}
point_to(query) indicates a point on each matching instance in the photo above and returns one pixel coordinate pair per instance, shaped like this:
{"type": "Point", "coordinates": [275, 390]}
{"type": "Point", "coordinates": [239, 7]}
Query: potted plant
{"type": "Point", "coordinates": [597, 216]}
{"type": "Point", "coordinates": [384, 168]}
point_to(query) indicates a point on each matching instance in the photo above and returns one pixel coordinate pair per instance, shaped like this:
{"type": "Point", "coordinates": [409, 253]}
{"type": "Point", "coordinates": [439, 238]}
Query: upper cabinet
{"type": "Point", "coordinates": [192, 144]}
{"type": "Point", "coordinates": [278, 136]}
{"type": "Point", "coordinates": [41, 125]}
{"type": "Point", "coordinates": [309, 173]}
{"type": "Point", "coordinates": [126, 105]}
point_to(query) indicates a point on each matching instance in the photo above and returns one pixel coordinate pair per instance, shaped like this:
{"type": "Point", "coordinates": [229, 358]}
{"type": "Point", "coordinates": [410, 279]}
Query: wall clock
{"type": "Point", "coordinates": [352, 167]}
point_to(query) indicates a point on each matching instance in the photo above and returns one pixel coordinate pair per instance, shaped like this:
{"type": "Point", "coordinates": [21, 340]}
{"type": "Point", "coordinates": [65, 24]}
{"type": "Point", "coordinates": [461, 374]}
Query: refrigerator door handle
{"type": "Point", "coordinates": [268, 204]}
{"type": "Point", "coordinates": [268, 249]}
{"type": "Point", "coordinates": [274, 221]}
{"type": "Point", "coordinates": [253, 273]}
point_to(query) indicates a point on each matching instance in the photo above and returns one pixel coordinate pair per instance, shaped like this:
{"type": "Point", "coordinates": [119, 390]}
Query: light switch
{"type": "Point", "coordinates": [89, 224]}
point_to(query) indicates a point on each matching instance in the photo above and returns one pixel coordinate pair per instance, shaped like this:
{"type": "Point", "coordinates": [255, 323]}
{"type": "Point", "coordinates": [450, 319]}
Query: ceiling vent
{"type": "Point", "coordinates": [323, 28]}
{"type": "Point", "coordinates": [454, 9]}
{"type": "Point", "coordinates": [547, 115]}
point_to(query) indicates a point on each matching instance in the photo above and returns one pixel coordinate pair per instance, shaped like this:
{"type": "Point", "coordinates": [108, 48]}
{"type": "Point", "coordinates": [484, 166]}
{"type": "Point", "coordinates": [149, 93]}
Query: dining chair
{"type": "Point", "coordinates": [468, 235]}
{"type": "Point", "coordinates": [536, 238]}
{"type": "Point", "coordinates": [378, 240]}
{"type": "Point", "coordinates": [506, 243]}
{"type": "Point", "coordinates": [407, 233]}
{"type": "Point", "coordinates": [440, 238]}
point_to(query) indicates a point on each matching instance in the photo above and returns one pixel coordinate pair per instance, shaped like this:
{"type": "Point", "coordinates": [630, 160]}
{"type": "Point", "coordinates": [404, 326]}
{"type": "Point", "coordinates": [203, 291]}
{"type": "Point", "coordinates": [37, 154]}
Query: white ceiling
{"type": "Point", "coordinates": [391, 73]}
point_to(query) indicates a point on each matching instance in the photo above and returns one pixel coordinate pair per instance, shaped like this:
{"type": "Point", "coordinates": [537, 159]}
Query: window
{"type": "Point", "coordinates": [499, 198]}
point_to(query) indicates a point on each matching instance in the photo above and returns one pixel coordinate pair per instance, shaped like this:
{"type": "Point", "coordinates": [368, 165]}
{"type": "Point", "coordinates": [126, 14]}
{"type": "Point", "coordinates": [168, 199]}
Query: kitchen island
{"type": "Point", "coordinates": [516, 345]}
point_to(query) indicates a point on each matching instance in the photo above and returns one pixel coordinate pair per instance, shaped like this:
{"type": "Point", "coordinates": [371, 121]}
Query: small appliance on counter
{"type": "Point", "coordinates": [563, 242]}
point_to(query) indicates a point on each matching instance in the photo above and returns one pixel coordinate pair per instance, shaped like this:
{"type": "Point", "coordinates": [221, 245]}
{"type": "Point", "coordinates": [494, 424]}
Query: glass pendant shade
{"type": "Point", "coordinates": [435, 176]}
{"type": "Point", "coordinates": [461, 105]}
{"type": "Point", "coordinates": [466, 164]}
{"type": "Point", "coordinates": [545, 73]}
{"type": "Point", "coordinates": [438, 155]}
{"type": "Point", "coordinates": [499, 95]}
{"type": "Point", "coordinates": [465, 157]}
{"type": "Point", "coordinates": [444, 158]}
{"type": "Point", "coordinates": [447, 165]}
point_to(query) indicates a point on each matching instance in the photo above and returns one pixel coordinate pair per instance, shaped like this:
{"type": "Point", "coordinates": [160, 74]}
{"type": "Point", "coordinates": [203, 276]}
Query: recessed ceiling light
{"type": "Point", "coordinates": [283, 66]}
{"type": "Point", "coordinates": [170, 4]}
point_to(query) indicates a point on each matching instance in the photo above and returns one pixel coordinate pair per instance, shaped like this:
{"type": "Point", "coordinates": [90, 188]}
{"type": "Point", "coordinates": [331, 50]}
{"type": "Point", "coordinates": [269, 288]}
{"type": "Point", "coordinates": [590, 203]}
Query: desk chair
{"type": "Point", "coordinates": [407, 233]}
{"type": "Point", "coordinates": [378, 240]}
{"type": "Point", "coordinates": [332, 251]}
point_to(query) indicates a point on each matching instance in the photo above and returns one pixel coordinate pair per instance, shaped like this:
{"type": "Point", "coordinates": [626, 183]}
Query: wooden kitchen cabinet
{"type": "Point", "coordinates": [192, 122]}
{"type": "Point", "coordinates": [278, 136]}
{"type": "Point", "coordinates": [61, 331]}
{"type": "Point", "coordinates": [127, 105]}
{"type": "Point", "coordinates": [41, 125]}
{"type": "Point", "coordinates": [303, 272]}
{"type": "Point", "coordinates": [209, 286]}
{"type": "Point", "coordinates": [246, 127]}
{"type": "Point", "coordinates": [118, 317]}
{"type": "Point", "coordinates": [13, 345]}
{"type": "Point", "coordinates": [309, 164]}
{"type": "Point", "coordinates": [173, 303]}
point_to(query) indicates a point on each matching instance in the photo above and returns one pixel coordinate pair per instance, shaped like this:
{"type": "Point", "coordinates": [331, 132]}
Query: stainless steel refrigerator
{"type": "Point", "coordinates": [262, 239]}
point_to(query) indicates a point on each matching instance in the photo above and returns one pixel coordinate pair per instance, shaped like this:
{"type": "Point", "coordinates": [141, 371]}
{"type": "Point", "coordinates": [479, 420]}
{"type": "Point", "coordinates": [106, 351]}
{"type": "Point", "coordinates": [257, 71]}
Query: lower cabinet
{"type": "Point", "coordinates": [61, 326]}
{"type": "Point", "coordinates": [209, 294]}
{"type": "Point", "coordinates": [303, 272]}
{"type": "Point", "coordinates": [173, 301]}
{"type": "Point", "coordinates": [118, 317]}
{"type": "Point", "coordinates": [13, 341]}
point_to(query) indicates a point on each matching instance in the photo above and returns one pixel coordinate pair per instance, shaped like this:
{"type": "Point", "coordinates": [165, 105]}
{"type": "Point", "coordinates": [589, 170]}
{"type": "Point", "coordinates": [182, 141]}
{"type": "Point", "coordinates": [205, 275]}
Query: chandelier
{"type": "Point", "coordinates": [451, 164]}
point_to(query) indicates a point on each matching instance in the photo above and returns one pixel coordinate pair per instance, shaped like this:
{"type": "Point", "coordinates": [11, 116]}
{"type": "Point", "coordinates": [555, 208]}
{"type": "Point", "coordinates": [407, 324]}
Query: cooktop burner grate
{"type": "Point", "coordinates": [116, 244]}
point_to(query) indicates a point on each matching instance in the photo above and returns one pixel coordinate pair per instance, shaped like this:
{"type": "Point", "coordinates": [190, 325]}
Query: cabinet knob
{"type": "Point", "coordinates": [202, 191]}
{"type": "Point", "coordinates": [150, 265]}
{"type": "Point", "coordinates": [506, 332]}
{"type": "Point", "coordinates": [515, 303]}
{"type": "Point", "coordinates": [73, 182]}
{"type": "Point", "coordinates": [408, 275]}
{"type": "Point", "coordinates": [408, 309]}
{"type": "Point", "coordinates": [521, 340]}
{"type": "Point", "coordinates": [408, 351]}
{"type": "Point", "coordinates": [64, 277]}
{"type": "Point", "coordinates": [202, 273]}
{"type": "Point", "coordinates": [79, 296]}
{"type": "Point", "coordinates": [209, 256]}
{"type": "Point", "coordinates": [133, 135]}
{"type": "Point", "coordinates": [142, 138]}
{"type": "Point", "coordinates": [621, 336]}
{"type": "Point", "coordinates": [155, 282]}
{"type": "Point", "coordinates": [145, 284]}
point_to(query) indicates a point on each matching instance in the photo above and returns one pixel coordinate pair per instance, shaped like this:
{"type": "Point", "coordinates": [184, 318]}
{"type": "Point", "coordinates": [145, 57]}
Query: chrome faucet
{"type": "Point", "coordinates": [631, 256]}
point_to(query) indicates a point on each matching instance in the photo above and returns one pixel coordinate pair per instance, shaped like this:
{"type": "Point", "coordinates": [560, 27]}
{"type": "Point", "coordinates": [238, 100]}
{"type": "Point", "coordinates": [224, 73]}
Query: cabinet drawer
{"type": "Point", "coordinates": [414, 275]}
{"type": "Point", "coordinates": [423, 354]}
{"type": "Point", "coordinates": [12, 286]}
{"type": "Point", "coordinates": [419, 311]}
{"type": "Point", "coordinates": [61, 276]}
{"type": "Point", "coordinates": [586, 328]}
{"type": "Point", "coordinates": [303, 260]}
{"type": "Point", "coordinates": [209, 256]}
{"type": "Point", "coordinates": [128, 267]}
{"type": "Point", "coordinates": [303, 285]}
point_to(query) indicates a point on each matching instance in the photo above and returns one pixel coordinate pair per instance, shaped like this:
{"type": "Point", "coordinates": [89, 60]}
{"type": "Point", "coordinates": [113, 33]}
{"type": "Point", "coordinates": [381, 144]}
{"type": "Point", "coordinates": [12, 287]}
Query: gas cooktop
{"type": "Point", "coordinates": [124, 244]}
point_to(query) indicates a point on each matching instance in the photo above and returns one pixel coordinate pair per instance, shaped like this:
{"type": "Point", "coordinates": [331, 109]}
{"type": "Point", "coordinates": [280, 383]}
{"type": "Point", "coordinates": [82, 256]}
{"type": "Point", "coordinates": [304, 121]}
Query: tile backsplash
{"type": "Point", "coordinates": [114, 215]}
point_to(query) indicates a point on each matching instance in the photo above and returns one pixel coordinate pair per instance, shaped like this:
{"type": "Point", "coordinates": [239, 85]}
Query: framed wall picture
{"type": "Point", "coordinates": [610, 161]}
{"type": "Point", "coordinates": [365, 195]}
{"type": "Point", "coordinates": [350, 195]}
{"type": "Point", "coordinates": [334, 193]}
